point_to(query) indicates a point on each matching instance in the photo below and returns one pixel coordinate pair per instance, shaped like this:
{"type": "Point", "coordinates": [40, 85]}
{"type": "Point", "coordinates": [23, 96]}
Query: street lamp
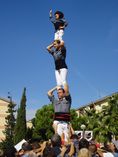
{"type": "Point", "coordinates": [83, 129]}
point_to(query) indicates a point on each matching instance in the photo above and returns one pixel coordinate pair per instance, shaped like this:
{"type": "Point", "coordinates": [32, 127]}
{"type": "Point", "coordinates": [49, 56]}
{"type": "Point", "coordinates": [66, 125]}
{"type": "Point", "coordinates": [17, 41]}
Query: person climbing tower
{"type": "Point", "coordinates": [59, 54]}
{"type": "Point", "coordinates": [59, 23]}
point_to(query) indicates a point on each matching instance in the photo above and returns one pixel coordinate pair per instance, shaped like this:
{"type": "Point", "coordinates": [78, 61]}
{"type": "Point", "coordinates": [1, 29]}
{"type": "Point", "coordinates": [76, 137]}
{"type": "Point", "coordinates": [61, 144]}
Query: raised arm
{"type": "Point", "coordinates": [52, 19]}
{"type": "Point", "coordinates": [50, 92]}
{"type": "Point", "coordinates": [50, 13]}
{"type": "Point", "coordinates": [66, 88]}
{"type": "Point", "coordinates": [50, 47]}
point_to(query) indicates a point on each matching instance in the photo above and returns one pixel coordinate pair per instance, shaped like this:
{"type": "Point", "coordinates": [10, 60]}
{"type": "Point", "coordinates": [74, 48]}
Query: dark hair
{"type": "Point", "coordinates": [74, 136]}
{"type": "Point", "coordinates": [83, 143]}
{"type": "Point", "coordinates": [56, 140]}
{"type": "Point", "coordinates": [26, 146]}
{"type": "Point", "coordinates": [10, 152]}
{"type": "Point", "coordinates": [48, 152]}
{"type": "Point", "coordinates": [35, 145]}
{"type": "Point", "coordinates": [61, 89]}
{"type": "Point", "coordinates": [92, 148]}
{"type": "Point", "coordinates": [58, 41]}
{"type": "Point", "coordinates": [61, 15]}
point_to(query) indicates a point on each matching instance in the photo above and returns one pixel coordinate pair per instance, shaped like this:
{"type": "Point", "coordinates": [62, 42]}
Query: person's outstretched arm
{"type": "Point", "coordinates": [52, 19]}
{"type": "Point", "coordinates": [50, 13]}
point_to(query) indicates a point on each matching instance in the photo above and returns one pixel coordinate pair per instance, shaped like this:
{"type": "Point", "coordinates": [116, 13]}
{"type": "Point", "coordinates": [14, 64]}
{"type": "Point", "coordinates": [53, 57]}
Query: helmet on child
{"type": "Point", "coordinates": [61, 15]}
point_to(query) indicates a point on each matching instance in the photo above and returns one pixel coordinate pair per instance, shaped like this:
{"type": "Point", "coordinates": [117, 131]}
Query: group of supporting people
{"type": "Point", "coordinates": [62, 103]}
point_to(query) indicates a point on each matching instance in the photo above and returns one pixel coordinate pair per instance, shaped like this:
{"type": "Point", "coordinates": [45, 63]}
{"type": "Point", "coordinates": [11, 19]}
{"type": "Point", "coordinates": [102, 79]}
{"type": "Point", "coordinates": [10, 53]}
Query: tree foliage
{"type": "Point", "coordinates": [44, 119]}
{"type": "Point", "coordinates": [43, 122]}
{"type": "Point", "coordinates": [8, 143]}
{"type": "Point", "coordinates": [74, 119]}
{"type": "Point", "coordinates": [20, 128]}
{"type": "Point", "coordinates": [104, 123]}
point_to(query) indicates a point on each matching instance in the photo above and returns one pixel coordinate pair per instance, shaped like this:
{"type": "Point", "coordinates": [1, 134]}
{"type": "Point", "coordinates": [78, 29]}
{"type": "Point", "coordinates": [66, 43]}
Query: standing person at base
{"type": "Point", "coordinates": [62, 106]}
{"type": "Point", "coordinates": [59, 54]}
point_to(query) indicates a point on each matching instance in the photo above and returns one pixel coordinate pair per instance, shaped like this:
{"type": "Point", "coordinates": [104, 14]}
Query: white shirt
{"type": "Point", "coordinates": [108, 154]}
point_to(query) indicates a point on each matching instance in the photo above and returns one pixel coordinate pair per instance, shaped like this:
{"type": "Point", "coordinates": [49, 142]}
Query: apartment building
{"type": "Point", "coordinates": [97, 105]}
{"type": "Point", "coordinates": [3, 109]}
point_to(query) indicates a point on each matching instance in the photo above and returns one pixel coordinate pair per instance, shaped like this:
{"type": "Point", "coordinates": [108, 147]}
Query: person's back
{"type": "Point", "coordinates": [49, 152]}
{"type": "Point", "coordinates": [56, 144]}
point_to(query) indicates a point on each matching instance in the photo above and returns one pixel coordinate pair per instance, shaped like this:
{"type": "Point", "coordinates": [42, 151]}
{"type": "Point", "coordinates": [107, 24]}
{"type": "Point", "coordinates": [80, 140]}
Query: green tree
{"type": "Point", "coordinates": [113, 115]}
{"type": "Point", "coordinates": [29, 133]}
{"type": "Point", "coordinates": [74, 119]}
{"type": "Point", "coordinates": [43, 122]}
{"type": "Point", "coordinates": [44, 119]}
{"type": "Point", "coordinates": [8, 143]}
{"type": "Point", "coordinates": [94, 121]}
{"type": "Point", "coordinates": [108, 120]}
{"type": "Point", "coordinates": [20, 128]}
{"type": "Point", "coordinates": [103, 123]}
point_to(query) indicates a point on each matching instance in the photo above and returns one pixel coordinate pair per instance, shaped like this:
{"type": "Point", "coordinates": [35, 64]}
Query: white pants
{"type": "Point", "coordinates": [63, 128]}
{"type": "Point", "coordinates": [61, 76]}
{"type": "Point", "coordinates": [58, 35]}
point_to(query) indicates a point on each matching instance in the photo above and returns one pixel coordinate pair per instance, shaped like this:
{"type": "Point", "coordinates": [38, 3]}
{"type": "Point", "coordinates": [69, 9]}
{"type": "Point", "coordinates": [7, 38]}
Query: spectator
{"type": "Point", "coordinates": [93, 149]}
{"type": "Point", "coordinates": [83, 143]}
{"type": "Point", "coordinates": [27, 150]}
{"type": "Point", "coordinates": [84, 152]}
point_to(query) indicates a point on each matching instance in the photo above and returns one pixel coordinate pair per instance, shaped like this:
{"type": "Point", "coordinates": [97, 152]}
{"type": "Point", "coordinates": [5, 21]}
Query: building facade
{"type": "Point", "coordinates": [97, 105]}
{"type": "Point", "coordinates": [3, 113]}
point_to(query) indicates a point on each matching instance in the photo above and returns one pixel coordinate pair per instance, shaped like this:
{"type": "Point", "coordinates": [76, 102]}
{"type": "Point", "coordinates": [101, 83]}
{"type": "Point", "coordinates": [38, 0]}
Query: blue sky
{"type": "Point", "coordinates": [91, 40]}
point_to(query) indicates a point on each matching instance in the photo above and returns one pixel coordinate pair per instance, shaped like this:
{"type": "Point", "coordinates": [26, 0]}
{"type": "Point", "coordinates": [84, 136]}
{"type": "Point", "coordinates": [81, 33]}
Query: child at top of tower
{"type": "Point", "coordinates": [59, 23]}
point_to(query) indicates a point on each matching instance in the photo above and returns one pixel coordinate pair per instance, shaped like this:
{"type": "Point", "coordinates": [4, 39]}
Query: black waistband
{"type": "Point", "coordinates": [62, 116]}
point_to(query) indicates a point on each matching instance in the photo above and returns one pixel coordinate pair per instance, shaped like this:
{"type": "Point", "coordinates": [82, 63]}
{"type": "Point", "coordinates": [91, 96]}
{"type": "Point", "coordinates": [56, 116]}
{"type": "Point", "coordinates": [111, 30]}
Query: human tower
{"type": "Point", "coordinates": [62, 103]}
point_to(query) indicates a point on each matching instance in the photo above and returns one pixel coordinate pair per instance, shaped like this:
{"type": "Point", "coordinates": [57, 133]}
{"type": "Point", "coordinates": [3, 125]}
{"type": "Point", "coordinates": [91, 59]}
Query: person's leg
{"type": "Point", "coordinates": [66, 132]}
{"type": "Point", "coordinates": [58, 78]}
{"type": "Point", "coordinates": [63, 76]}
{"type": "Point", "coordinates": [56, 35]}
{"type": "Point", "coordinates": [60, 129]}
{"type": "Point", "coordinates": [60, 34]}
{"type": "Point", "coordinates": [54, 125]}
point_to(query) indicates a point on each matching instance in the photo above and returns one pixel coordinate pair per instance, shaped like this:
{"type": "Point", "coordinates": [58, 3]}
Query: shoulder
{"type": "Point", "coordinates": [63, 48]}
{"type": "Point", "coordinates": [68, 97]}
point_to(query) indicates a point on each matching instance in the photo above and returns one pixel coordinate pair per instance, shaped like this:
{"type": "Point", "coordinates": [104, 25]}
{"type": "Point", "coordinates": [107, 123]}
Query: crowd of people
{"type": "Point", "coordinates": [54, 147]}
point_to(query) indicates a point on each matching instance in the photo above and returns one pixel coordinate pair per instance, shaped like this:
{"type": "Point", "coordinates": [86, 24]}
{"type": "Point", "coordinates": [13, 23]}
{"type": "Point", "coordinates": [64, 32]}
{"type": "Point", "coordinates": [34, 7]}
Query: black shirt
{"type": "Point", "coordinates": [58, 22]}
{"type": "Point", "coordinates": [59, 57]}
